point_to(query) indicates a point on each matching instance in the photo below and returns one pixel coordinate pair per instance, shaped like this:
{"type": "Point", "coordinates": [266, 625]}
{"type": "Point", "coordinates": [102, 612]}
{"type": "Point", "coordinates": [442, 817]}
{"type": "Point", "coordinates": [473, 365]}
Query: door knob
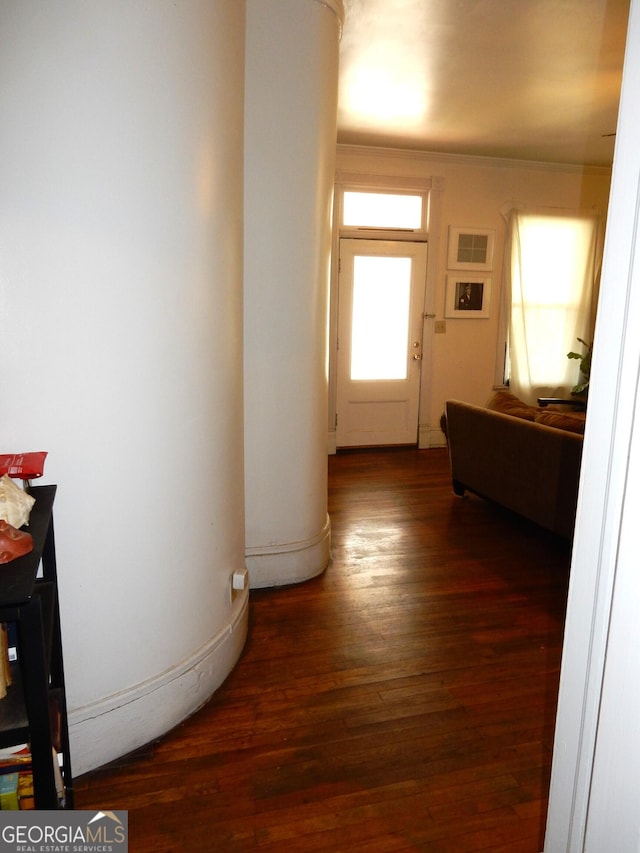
{"type": "Point", "coordinates": [417, 356]}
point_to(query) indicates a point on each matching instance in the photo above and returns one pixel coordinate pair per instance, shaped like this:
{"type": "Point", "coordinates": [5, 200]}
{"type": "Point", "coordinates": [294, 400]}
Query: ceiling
{"type": "Point", "coordinates": [521, 79]}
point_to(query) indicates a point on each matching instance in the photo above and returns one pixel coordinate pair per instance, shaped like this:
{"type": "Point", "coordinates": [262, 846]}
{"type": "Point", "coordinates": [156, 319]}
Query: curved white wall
{"type": "Point", "coordinates": [290, 138]}
{"type": "Point", "coordinates": [120, 288]}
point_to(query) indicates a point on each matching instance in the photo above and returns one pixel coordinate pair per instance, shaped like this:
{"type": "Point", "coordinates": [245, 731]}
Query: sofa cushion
{"type": "Point", "coordinates": [571, 421]}
{"type": "Point", "coordinates": [509, 404]}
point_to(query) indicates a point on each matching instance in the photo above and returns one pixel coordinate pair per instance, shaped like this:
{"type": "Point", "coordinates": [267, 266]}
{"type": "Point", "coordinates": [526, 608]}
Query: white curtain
{"type": "Point", "coordinates": [550, 270]}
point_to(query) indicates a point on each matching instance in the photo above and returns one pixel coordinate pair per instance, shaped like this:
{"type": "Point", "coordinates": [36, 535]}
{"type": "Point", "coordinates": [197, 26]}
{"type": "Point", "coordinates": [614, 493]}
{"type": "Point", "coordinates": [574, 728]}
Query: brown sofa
{"type": "Point", "coordinates": [507, 452]}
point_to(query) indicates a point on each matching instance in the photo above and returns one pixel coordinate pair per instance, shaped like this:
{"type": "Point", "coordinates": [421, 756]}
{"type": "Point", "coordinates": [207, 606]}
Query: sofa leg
{"type": "Point", "coordinates": [458, 488]}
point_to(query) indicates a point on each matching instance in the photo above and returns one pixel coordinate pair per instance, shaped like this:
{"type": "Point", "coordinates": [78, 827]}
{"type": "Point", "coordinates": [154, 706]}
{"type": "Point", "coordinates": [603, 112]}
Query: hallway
{"type": "Point", "coordinates": [402, 701]}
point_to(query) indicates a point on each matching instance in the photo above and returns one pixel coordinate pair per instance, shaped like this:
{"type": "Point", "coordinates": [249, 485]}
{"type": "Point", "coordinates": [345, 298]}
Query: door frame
{"type": "Point", "coordinates": [429, 434]}
{"type": "Point", "coordinates": [596, 754]}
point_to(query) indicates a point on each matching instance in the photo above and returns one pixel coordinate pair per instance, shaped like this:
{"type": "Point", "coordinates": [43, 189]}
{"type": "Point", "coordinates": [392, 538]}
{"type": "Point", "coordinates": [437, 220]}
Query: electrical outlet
{"type": "Point", "coordinates": [440, 327]}
{"type": "Point", "coordinates": [239, 582]}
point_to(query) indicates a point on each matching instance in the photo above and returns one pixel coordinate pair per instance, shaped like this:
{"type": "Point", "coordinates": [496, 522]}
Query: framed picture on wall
{"type": "Point", "coordinates": [470, 248]}
{"type": "Point", "coordinates": [468, 296]}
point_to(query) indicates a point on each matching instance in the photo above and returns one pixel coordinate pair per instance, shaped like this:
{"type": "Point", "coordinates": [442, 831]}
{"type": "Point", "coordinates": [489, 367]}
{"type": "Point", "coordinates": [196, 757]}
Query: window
{"type": "Point", "coordinates": [383, 207]}
{"type": "Point", "coordinates": [381, 210]}
{"type": "Point", "coordinates": [380, 325]}
{"type": "Point", "coordinates": [550, 276]}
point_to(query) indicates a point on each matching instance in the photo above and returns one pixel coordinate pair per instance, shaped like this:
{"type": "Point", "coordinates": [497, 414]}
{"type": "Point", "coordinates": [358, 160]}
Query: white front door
{"type": "Point", "coordinates": [380, 308]}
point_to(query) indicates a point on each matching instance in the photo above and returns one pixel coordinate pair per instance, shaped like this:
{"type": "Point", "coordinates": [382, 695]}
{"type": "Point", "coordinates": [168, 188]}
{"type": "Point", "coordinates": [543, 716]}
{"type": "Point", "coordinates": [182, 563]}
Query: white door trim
{"type": "Point", "coordinates": [429, 433]}
{"type": "Point", "coordinates": [592, 805]}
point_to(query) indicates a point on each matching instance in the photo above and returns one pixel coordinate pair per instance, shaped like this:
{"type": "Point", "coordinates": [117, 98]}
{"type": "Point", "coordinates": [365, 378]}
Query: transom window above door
{"type": "Point", "coordinates": [382, 210]}
{"type": "Point", "coordinates": [385, 208]}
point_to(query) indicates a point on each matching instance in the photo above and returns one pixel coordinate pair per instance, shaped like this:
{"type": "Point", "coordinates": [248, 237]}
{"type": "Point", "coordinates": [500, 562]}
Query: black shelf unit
{"type": "Point", "coordinates": [34, 710]}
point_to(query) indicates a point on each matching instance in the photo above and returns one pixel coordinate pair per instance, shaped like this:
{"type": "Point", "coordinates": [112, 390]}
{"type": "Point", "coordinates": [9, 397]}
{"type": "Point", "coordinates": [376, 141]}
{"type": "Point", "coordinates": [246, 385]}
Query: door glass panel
{"type": "Point", "coordinates": [382, 210]}
{"type": "Point", "coordinates": [380, 319]}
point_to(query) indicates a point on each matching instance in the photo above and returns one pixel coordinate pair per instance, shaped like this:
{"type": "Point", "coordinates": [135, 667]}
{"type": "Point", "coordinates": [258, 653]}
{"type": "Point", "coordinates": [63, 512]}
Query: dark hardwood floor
{"type": "Point", "coordinates": [403, 701]}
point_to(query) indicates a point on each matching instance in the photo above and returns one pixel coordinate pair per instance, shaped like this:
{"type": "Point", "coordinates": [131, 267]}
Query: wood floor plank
{"type": "Point", "coordinates": [402, 701]}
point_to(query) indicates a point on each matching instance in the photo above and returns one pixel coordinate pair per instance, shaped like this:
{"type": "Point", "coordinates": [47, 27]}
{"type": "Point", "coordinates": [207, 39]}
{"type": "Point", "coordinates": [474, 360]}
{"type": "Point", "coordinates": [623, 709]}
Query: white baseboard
{"type": "Point", "coordinates": [429, 436]}
{"type": "Point", "coordinates": [115, 725]}
{"type": "Point", "coordinates": [289, 562]}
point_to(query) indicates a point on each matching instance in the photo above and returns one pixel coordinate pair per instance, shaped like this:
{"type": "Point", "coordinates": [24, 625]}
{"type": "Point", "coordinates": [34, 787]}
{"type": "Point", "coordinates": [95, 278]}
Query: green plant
{"type": "Point", "coordinates": [582, 388]}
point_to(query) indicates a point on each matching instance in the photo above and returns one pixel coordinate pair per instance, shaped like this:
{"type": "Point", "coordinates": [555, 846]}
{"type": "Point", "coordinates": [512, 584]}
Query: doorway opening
{"type": "Point", "coordinates": [378, 311]}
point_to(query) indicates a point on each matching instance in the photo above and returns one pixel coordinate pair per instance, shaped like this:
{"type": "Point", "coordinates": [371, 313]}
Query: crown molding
{"type": "Point", "coordinates": [468, 159]}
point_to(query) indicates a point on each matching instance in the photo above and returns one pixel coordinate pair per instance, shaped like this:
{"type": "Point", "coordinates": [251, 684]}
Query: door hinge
{"type": "Point", "coordinates": [336, 423]}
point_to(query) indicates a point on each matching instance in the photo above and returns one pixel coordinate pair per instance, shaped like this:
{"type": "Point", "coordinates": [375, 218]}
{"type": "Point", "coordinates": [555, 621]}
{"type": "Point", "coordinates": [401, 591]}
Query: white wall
{"type": "Point", "coordinates": [472, 192]}
{"type": "Point", "coordinates": [120, 286]}
{"type": "Point", "coordinates": [291, 110]}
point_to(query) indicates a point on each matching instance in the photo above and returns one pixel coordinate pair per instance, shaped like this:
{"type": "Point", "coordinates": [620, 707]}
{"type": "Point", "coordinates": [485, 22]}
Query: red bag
{"type": "Point", "coordinates": [24, 466]}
